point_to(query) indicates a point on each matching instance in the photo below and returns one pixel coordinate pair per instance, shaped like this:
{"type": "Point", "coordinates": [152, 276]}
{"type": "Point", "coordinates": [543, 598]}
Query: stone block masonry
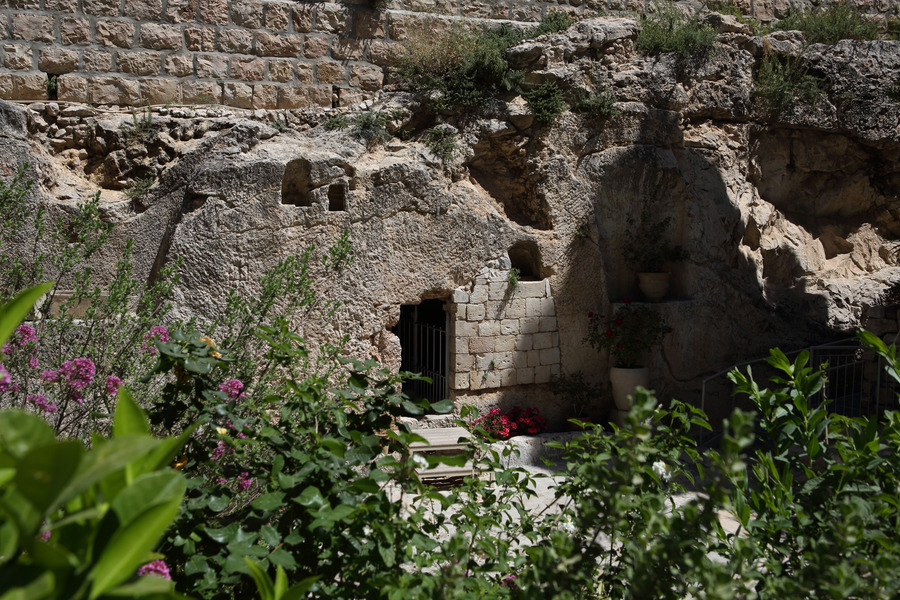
{"type": "Point", "coordinates": [255, 54]}
{"type": "Point", "coordinates": [503, 335]}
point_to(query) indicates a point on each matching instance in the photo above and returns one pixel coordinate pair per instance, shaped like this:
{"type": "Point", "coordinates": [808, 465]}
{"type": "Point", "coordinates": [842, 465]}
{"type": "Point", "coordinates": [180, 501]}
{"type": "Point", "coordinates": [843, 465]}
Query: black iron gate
{"type": "Point", "coordinates": [423, 342]}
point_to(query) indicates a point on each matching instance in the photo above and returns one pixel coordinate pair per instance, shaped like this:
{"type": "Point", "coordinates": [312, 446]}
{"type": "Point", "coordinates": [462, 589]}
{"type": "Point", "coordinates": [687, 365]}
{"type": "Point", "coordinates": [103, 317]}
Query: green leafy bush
{"type": "Point", "coordinates": [599, 105]}
{"type": "Point", "coordinates": [546, 102]}
{"type": "Point", "coordinates": [371, 128]}
{"type": "Point", "coordinates": [836, 21]}
{"type": "Point", "coordinates": [782, 83]}
{"type": "Point", "coordinates": [337, 122]}
{"type": "Point", "coordinates": [441, 141]}
{"type": "Point", "coordinates": [667, 30]}
{"type": "Point", "coordinates": [552, 22]}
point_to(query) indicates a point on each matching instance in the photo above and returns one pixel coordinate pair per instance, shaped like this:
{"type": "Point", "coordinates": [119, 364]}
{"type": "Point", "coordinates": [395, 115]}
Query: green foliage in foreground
{"type": "Point", "coordinates": [781, 83]}
{"type": "Point", "coordinates": [76, 523]}
{"type": "Point", "coordinates": [667, 30]}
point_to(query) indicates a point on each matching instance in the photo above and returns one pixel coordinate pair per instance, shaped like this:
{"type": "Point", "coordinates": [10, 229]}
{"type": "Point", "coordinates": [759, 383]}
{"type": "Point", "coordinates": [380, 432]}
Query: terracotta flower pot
{"type": "Point", "coordinates": [654, 286]}
{"type": "Point", "coordinates": [624, 381]}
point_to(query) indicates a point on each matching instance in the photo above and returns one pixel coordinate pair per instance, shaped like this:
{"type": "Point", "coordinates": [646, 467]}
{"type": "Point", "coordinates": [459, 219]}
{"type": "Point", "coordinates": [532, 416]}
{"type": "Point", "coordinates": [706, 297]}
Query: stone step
{"type": "Point", "coordinates": [447, 471]}
{"type": "Point", "coordinates": [441, 440]}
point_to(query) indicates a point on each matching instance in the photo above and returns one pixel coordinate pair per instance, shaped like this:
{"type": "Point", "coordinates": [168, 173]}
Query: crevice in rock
{"type": "Point", "coordinates": [525, 256]}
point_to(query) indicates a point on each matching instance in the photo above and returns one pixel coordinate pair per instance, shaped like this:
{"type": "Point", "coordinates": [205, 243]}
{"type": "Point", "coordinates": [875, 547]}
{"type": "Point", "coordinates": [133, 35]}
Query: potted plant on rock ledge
{"type": "Point", "coordinates": [649, 252]}
{"type": "Point", "coordinates": [627, 335]}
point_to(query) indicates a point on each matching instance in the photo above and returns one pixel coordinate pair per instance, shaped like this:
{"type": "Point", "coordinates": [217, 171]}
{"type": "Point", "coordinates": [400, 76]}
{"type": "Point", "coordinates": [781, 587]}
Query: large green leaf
{"type": "Point", "coordinates": [36, 588]}
{"type": "Point", "coordinates": [141, 524]}
{"type": "Point", "coordinates": [106, 459]}
{"type": "Point", "coordinates": [21, 431]}
{"type": "Point", "coordinates": [45, 471]}
{"type": "Point", "coordinates": [129, 417]}
{"type": "Point", "coordinates": [14, 312]}
{"type": "Point", "coordinates": [264, 583]}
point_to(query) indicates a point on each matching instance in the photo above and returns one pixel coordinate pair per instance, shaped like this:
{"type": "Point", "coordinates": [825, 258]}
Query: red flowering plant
{"type": "Point", "coordinates": [627, 334]}
{"type": "Point", "coordinates": [502, 426]}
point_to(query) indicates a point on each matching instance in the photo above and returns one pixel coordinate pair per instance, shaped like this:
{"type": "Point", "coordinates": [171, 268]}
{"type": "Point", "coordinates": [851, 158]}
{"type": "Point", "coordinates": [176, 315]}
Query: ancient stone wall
{"type": "Point", "coordinates": [243, 53]}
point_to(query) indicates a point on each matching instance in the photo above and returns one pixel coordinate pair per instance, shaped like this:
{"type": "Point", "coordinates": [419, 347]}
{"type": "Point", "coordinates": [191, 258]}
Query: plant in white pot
{"type": "Point", "coordinates": [627, 335]}
{"type": "Point", "coordinates": [650, 253]}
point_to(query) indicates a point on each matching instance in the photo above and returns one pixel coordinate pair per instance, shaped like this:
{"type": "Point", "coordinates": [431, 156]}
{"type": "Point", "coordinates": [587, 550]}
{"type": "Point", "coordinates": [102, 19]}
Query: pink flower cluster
{"type": "Point", "coordinates": [112, 385]}
{"type": "Point", "coordinates": [219, 451]}
{"type": "Point", "coordinates": [157, 332]}
{"type": "Point", "coordinates": [5, 379]}
{"type": "Point", "coordinates": [157, 567]}
{"type": "Point", "coordinates": [499, 425]}
{"type": "Point", "coordinates": [244, 481]}
{"type": "Point", "coordinates": [41, 402]}
{"type": "Point", "coordinates": [233, 389]}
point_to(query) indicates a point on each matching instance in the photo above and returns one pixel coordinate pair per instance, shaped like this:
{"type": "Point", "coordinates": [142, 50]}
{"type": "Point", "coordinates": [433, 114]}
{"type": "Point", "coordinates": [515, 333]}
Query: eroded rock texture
{"type": "Point", "coordinates": [788, 218]}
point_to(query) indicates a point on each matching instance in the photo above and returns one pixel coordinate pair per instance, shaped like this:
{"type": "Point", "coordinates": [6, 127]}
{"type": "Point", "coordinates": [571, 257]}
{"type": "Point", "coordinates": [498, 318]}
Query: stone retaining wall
{"type": "Point", "coordinates": [503, 335]}
{"type": "Point", "coordinates": [242, 53]}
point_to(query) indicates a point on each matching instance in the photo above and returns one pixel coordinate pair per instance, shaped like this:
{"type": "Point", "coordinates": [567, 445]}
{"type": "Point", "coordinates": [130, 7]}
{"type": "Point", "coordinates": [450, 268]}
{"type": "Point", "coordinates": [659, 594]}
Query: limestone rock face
{"type": "Point", "coordinates": [788, 219]}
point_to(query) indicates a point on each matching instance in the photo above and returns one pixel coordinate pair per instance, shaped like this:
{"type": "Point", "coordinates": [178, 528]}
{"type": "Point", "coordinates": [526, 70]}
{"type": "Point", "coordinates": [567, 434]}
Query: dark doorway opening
{"type": "Point", "coordinates": [422, 330]}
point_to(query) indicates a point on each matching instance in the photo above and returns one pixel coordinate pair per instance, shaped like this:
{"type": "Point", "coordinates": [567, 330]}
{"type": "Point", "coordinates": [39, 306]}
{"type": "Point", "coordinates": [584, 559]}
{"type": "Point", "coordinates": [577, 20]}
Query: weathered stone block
{"type": "Point", "coordinates": [29, 86]}
{"type": "Point", "coordinates": [463, 363]}
{"type": "Point", "coordinates": [213, 11]}
{"type": "Point", "coordinates": [524, 342]}
{"type": "Point", "coordinates": [302, 15]}
{"type": "Point", "coordinates": [114, 90]}
{"type": "Point", "coordinates": [525, 376]}
{"type": "Point", "coordinates": [315, 46]}
{"type": "Point", "coordinates": [460, 296]}
{"type": "Point", "coordinates": [161, 37]}
{"type": "Point", "coordinates": [330, 72]}
{"type": "Point", "coordinates": [548, 308]}
{"type": "Point", "coordinates": [534, 358]}
{"type": "Point", "coordinates": [281, 70]}
{"type": "Point", "coordinates": [160, 91]}
{"type": "Point", "coordinates": [101, 8]}
{"type": "Point", "coordinates": [33, 28]}
{"type": "Point", "coordinates": [237, 94]}
{"type": "Point", "coordinates": [385, 54]}
{"type": "Point", "coordinates": [72, 88]}
{"type": "Point", "coordinates": [530, 12]}
{"type": "Point", "coordinates": [179, 65]}
{"type": "Point", "coordinates": [265, 96]}
{"type": "Point", "coordinates": [479, 294]}
{"type": "Point", "coordinates": [542, 374]}
{"type": "Point", "coordinates": [304, 97]}
{"type": "Point", "coordinates": [56, 61]}
{"type": "Point", "coordinates": [211, 66]}
{"type": "Point", "coordinates": [305, 73]}
{"type": "Point", "coordinates": [489, 328]}
{"type": "Point", "coordinates": [530, 325]}
{"type": "Point", "coordinates": [235, 41]}
{"type": "Point", "coordinates": [139, 63]}
{"type": "Point", "coordinates": [460, 345]}
{"type": "Point", "coordinates": [181, 11]}
{"type": "Point", "coordinates": [63, 6]}
{"type": "Point", "coordinates": [366, 77]}
{"type": "Point", "coordinates": [485, 362]}
{"type": "Point", "coordinates": [532, 307]}
{"type": "Point", "coordinates": [461, 381]}
{"type": "Point", "coordinates": [481, 345]}
{"type": "Point", "coordinates": [143, 10]}
{"type": "Point", "coordinates": [248, 69]}
{"type": "Point", "coordinates": [115, 33]}
{"type": "Point", "coordinates": [332, 18]}
{"type": "Point", "coordinates": [74, 31]}
{"type": "Point", "coordinates": [200, 39]}
{"type": "Point", "coordinates": [548, 324]}
{"type": "Point", "coordinates": [550, 356]}
{"type": "Point", "coordinates": [475, 312]}
{"type": "Point", "coordinates": [541, 341]}
{"type": "Point", "coordinates": [465, 329]}
{"type": "Point", "coordinates": [18, 57]}
{"type": "Point", "coordinates": [247, 13]}
{"type": "Point", "coordinates": [201, 92]}
{"type": "Point", "coordinates": [515, 309]}
{"type": "Point", "coordinates": [277, 15]}
{"type": "Point", "coordinates": [532, 289]}
{"type": "Point", "coordinates": [288, 46]}
{"type": "Point", "coordinates": [497, 290]}
{"type": "Point", "coordinates": [98, 61]}
{"type": "Point", "coordinates": [502, 360]}
{"type": "Point", "coordinates": [344, 49]}
{"type": "Point", "coordinates": [509, 326]}
{"type": "Point", "coordinates": [520, 359]}
{"type": "Point", "coordinates": [508, 377]}
{"type": "Point", "coordinates": [504, 343]}
{"type": "Point", "coordinates": [6, 86]}
{"type": "Point", "coordinates": [492, 380]}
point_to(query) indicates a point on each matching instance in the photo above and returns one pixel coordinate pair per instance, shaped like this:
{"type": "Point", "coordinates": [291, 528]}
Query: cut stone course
{"type": "Point", "coordinates": [74, 31]}
{"type": "Point", "coordinates": [115, 33]}
{"type": "Point", "coordinates": [32, 28]}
